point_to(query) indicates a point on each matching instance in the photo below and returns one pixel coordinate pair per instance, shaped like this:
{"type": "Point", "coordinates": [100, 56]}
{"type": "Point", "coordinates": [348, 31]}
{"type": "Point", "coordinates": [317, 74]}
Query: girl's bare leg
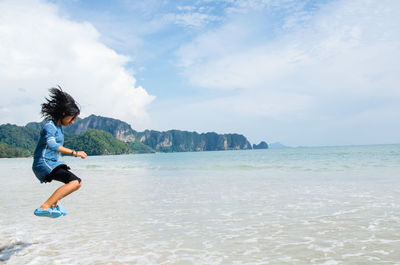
{"type": "Point", "coordinates": [61, 192]}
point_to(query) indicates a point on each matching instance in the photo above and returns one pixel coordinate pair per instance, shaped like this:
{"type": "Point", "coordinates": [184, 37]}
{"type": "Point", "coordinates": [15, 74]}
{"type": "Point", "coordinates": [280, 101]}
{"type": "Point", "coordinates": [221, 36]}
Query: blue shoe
{"type": "Point", "coordinates": [62, 210]}
{"type": "Point", "coordinates": [52, 213]}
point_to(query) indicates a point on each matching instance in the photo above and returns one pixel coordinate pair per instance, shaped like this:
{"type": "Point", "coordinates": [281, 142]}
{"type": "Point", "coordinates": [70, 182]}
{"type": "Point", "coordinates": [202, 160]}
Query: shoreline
{"type": "Point", "coordinates": [7, 158]}
{"type": "Point", "coordinates": [288, 148]}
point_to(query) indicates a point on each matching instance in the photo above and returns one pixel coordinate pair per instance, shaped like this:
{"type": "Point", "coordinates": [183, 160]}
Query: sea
{"type": "Point", "coordinates": [311, 205]}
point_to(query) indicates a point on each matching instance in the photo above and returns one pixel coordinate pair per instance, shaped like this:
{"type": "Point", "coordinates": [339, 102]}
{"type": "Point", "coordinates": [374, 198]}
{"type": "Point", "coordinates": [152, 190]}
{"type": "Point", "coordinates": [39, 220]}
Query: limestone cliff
{"type": "Point", "coordinates": [119, 129]}
{"type": "Point", "coordinates": [169, 141]}
{"type": "Point", "coordinates": [261, 145]}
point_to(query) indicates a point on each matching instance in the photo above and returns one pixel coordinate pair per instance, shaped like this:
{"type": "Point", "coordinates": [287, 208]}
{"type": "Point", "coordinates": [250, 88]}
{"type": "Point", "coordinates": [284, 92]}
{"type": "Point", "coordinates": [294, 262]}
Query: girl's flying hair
{"type": "Point", "coordinates": [59, 105]}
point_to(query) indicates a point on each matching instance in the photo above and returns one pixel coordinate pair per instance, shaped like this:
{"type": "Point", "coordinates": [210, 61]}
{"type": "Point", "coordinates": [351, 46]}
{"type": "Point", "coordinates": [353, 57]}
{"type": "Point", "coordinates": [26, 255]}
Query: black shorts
{"type": "Point", "coordinates": [61, 173]}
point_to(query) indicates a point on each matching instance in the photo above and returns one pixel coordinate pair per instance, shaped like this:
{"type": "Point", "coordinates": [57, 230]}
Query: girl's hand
{"type": "Point", "coordinates": [80, 154]}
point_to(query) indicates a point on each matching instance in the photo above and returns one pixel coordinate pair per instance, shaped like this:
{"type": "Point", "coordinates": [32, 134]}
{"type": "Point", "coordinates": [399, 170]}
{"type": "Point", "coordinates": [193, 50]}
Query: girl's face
{"type": "Point", "coordinates": [68, 120]}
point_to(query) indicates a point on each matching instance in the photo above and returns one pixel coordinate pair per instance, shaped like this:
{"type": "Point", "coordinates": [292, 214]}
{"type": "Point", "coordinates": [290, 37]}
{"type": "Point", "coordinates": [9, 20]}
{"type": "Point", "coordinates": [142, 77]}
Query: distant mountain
{"type": "Point", "coordinates": [97, 142]}
{"type": "Point", "coordinates": [9, 152]}
{"type": "Point", "coordinates": [21, 141]}
{"type": "Point", "coordinates": [35, 125]}
{"type": "Point", "coordinates": [169, 141]}
{"type": "Point", "coordinates": [277, 145]}
{"type": "Point", "coordinates": [19, 137]}
{"type": "Point", "coordinates": [100, 135]}
{"type": "Point", "coordinates": [261, 145]}
{"type": "Point", "coordinates": [119, 129]}
{"type": "Point", "coordinates": [183, 141]}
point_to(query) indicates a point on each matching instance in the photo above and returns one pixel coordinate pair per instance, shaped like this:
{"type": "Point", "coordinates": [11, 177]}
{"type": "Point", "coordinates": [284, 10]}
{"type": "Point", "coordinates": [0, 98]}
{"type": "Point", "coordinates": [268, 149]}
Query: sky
{"type": "Point", "coordinates": [301, 72]}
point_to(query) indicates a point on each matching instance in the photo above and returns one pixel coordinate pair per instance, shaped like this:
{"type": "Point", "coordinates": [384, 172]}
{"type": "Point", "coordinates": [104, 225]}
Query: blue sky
{"type": "Point", "coordinates": [298, 72]}
{"type": "Point", "coordinates": [152, 33]}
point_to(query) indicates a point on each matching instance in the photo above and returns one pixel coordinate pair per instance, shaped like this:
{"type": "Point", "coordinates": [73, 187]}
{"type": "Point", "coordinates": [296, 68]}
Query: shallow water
{"type": "Point", "coordinates": [326, 205]}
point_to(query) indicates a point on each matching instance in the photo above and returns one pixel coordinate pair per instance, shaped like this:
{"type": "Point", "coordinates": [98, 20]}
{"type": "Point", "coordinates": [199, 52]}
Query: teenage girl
{"type": "Point", "coordinates": [59, 110]}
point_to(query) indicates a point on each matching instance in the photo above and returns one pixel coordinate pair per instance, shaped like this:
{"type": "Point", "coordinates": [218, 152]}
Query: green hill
{"type": "Point", "coordinates": [96, 142]}
{"type": "Point", "coordinates": [17, 141]}
{"type": "Point", "coordinates": [169, 141]}
{"type": "Point", "coordinates": [7, 152]}
{"type": "Point", "coordinates": [140, 148]}
{"type": "Point", "coordinates": [183, 141]}
{"type": "Point", "coordinates": [119, 129]}
{"type": "Point", "coordinates": [98, 135]}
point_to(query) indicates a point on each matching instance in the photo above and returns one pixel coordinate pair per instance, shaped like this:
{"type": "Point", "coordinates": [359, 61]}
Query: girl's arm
{"type": "Point", "coordinates": [49, 131]}
{"type": "Point", "coordinates": [68, 151]}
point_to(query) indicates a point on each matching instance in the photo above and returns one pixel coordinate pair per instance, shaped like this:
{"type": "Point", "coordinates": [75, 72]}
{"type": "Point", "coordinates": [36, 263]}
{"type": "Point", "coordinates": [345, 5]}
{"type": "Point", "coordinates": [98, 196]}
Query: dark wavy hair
{"type": "Point", "coordinates": [59, 105]}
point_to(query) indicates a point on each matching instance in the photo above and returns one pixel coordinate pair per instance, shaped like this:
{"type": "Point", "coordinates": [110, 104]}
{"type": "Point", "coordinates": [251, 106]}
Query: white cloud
{"type": "Point", "coordinates": [39, 49]}
{"type": "Point", "coordinates": [320, 75]}
{"type": "Point", "coordinates": [344, 54]}
{"type": "Point", "coordinates": [190, 16]}
{"type": "Point", "coordinates": [190, 19]}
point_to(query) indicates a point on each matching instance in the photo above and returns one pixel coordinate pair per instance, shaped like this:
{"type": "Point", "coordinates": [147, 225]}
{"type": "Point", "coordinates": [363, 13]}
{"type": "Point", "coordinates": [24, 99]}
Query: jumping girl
{"type": "Point", "coordinates": [60, 110]}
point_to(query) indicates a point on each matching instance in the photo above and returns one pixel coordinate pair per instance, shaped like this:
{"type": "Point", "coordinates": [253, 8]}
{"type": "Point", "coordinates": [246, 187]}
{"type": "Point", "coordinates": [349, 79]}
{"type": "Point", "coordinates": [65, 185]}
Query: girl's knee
{"type": "Point", "coordinates": [76, 184]}
{"type": "Point", "coordinates": [79, 184]}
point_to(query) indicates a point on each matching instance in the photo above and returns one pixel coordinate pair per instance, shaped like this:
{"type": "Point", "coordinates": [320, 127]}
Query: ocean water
{"type": "Point", "coordinates": [325, 205]}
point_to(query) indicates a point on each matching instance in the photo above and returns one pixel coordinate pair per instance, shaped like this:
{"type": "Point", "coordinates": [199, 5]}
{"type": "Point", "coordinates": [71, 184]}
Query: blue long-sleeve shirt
{"type": "Point", "coordinates": [45, 158]}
